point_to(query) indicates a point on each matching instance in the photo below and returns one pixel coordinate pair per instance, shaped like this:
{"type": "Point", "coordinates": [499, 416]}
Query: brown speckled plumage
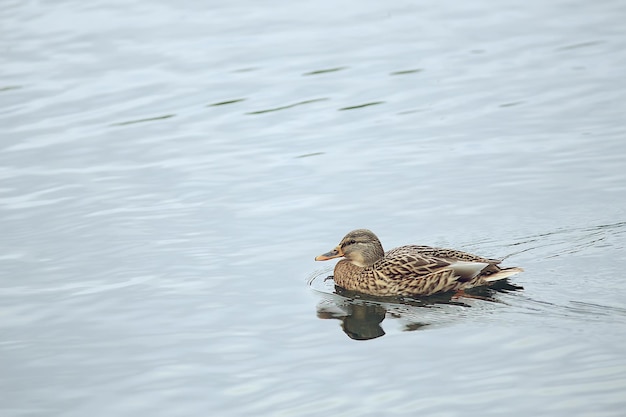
{"type": "Point", "coordinates": [408, 270]}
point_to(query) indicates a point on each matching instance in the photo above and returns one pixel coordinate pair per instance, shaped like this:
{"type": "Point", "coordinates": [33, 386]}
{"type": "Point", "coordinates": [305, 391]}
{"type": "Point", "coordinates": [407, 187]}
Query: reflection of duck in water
{"type": "Point", "coordinates": [408, 270]}
{"type": "Point", "coordinates": [362, 316]}
{"type": "Point", "coordinates": [358, 321]}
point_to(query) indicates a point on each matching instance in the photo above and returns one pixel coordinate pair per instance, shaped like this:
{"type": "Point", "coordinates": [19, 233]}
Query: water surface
{"type": "Point", "coordinates": [169, 172]}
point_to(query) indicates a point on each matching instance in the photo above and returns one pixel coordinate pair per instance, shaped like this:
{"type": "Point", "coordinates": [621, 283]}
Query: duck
{"type": "Point", "coordinates": [411, 270]}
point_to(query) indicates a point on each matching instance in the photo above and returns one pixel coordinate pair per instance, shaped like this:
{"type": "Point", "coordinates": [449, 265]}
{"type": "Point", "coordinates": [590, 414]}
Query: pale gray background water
{"type": "Point", "coordinates": [168, 171]}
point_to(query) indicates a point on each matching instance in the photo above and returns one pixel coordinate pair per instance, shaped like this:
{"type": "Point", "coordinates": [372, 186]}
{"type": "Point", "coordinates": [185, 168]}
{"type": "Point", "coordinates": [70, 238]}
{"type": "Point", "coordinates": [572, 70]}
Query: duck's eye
{"type": "Point", "coordinates": [352, 242]}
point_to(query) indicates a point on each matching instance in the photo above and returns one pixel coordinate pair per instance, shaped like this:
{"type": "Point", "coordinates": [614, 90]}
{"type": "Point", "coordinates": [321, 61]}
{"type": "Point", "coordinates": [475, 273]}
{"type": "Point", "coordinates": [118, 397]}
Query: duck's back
{"type": "Point", "coordinates": [449, 255]}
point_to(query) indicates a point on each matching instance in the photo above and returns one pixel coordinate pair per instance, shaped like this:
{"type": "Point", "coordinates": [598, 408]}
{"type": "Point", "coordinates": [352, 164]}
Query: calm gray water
{"type": "Point", "coordinates": [169, 170]}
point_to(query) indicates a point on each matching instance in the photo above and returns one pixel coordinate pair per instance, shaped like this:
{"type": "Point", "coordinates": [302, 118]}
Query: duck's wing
{"type": "Point", "coordinates": [450, 255]}
{"type": "Point", "coordinates": [413, 261]}
{"type": "Point", "coordinates": [407, 262]}
{"type": "Point", "coordinates": [409, 270]}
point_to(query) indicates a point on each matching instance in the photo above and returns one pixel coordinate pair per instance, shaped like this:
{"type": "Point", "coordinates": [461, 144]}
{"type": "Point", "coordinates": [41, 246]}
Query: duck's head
{"type": "Point", "coordinates": [361, 247]}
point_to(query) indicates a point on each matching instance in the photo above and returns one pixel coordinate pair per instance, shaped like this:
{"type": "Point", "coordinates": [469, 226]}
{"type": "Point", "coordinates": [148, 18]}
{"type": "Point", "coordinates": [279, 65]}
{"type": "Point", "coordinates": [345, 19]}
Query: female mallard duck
{"type": "Point", "coordinates": [408, 270]}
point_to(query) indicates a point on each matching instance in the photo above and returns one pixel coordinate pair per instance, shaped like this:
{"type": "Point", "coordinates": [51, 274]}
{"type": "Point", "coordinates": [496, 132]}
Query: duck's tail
{"type": "Point", "coordinates": [502, 274]}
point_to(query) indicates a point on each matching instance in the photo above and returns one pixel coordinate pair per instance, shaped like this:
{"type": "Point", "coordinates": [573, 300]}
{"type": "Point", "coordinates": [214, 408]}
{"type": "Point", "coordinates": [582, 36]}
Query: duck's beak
{"type": "Point", "coordinates": [335, 253]}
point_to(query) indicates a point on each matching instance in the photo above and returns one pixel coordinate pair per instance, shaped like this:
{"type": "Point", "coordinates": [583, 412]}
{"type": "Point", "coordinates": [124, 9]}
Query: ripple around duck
{"type": "Point", "coordinates": [563, 241]}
